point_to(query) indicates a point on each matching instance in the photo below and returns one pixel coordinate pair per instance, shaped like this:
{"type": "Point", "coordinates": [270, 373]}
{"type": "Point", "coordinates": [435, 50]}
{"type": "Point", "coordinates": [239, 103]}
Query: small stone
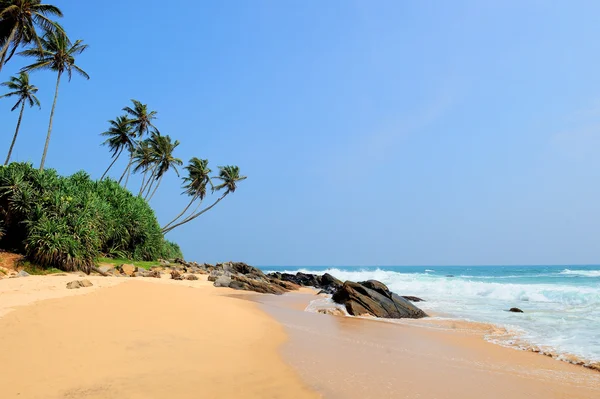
{"type": "Point", "coordinates": [86, 283]}
{"type": "Point", "coordinates": [191, 277]}
{"type": "Point", "coordinates": [76, 284]}
{"type": "Point", "coordinates": [23, 273]}
{"type": "Point", "coordinates": [127, 269]}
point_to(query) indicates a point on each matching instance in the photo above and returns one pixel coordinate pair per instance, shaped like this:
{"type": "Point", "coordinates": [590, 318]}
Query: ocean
{"type": "Point", "coordinates": [561, 304]}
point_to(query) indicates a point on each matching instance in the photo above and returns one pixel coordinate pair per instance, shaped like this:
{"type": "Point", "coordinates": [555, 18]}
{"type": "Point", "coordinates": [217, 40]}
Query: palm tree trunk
{"type": "Point", "coordinates": [150, 182]}
{"type": "Point", "coordinates": [143, 182]}
{"type": "Point", "coordinates": [16, 134]}
{"type": "Point", "coordinates": [125, 172]}
{"type": "Point", "coordinates": [156, 188]}
{"type": "Point", "coordinates": [50, 126]}
{"type": "Point", "coordinates": [129, 169]}
{"type": "Point", "coordinates": [189, 219]}
{"type": "Point", "coordinates": [6, 45]}
{"type": "Point", "coordinates": [182, 213]}
{"type": "Point", "coordinates": [112, 163]}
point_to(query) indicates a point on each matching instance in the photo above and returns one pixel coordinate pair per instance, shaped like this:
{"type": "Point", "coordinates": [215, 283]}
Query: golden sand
{"type": "Point", "coordinates": [138, 339]}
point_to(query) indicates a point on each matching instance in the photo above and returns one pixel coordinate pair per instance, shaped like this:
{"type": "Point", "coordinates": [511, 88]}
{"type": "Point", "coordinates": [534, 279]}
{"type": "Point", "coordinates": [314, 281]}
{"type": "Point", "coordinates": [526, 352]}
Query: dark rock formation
{"type": "Point", "coordinates": [191, 277]}
{"type": "Point", "coordinates": [515, 310]}
{"type": "Point", "coordinates": [374, 298]}
{"type": "Point", "coordinates": [413, 298]}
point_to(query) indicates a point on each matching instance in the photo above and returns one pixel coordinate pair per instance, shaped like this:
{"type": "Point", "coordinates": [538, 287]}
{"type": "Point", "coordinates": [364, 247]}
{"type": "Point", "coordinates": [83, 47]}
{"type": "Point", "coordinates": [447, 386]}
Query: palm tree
{"type": "Point", "coordinates": [162, 148]}
{"type": "Point", "coordinates": [143, 159]}
{"type": "Point", "coordinates": [25, 93]}
{"type": "Point", "coordinates": [120, 136]}
{"type": "Point", "coordinates": [196, 181]}
{"type": "Point", "coordinates": [18, 22]}
{"type": "Point", "coordinates": [141, 122]}
{"type": "Point", "coordinates": [229, 176]}
{"type": "Point", "coordinates": [141, 118]}
{"type": "Point", "coordinates": [57, 54]}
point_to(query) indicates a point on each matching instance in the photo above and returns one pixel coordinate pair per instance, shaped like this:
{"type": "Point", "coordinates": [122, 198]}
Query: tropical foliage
{"type": "Point", "coordinates": [68, 222]}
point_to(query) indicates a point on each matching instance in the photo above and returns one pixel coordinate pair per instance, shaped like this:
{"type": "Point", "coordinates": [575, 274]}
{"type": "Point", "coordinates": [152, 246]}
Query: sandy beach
{"type": "Point", "coordinates": [138, 339]}
{"type": "Point", "coordinates": [159, 338]}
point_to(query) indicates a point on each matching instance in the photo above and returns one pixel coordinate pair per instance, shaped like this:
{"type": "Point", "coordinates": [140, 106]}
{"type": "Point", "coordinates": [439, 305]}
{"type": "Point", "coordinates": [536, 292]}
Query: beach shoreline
{"type": "Point", "coordinates": [158, 337]}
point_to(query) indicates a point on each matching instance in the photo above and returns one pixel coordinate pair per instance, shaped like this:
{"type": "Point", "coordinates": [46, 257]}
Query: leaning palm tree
{"type": "Point", "coordinates": [229, 176]}
{"type": "Point", "coordinates": [120, 136]}
{"type": "Point", "coordinates": [143, 159]}
{"type": "Point", "coordinates": [197, 180]}
{"type": "Point", "coordinates": [141, 121]}
{"type": "Point", "coordinates": [57, 54]}
{"type": "Point", "coordinates": [25, 93]}
{"type": "Point", "coordinates": [18, 22]}
{"type": "Point", "coordinates": [162, 148]}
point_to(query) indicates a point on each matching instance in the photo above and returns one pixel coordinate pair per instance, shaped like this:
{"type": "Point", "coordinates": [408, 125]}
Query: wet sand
{"type": "Point", "coordinates": [356, 358]}
{"type": "Point", "coordinates": [138, 339]}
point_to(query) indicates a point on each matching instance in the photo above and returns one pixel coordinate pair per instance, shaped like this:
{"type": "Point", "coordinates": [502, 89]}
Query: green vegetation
{"type": "Point", "coordinates": [36, 270]}
{"type": "Point", "coordinates": [120, 261]}
{"type": "Point", "coordinates": [71, 222]}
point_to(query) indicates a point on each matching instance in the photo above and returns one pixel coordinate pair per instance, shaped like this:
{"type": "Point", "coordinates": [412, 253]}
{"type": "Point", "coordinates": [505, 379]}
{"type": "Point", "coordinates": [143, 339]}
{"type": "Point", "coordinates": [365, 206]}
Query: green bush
{"type": "Point", "coordinates": [68, 222]}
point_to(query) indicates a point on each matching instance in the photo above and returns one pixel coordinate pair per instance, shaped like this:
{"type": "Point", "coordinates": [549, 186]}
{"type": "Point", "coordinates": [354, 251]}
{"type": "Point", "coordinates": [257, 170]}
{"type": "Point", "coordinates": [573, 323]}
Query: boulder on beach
{"type": "Point", "coordinates": [375, 299]}
{"type": "Point", "coordinates": [127, 269]}
{"type": "Point", "coordinates": [76, 284]}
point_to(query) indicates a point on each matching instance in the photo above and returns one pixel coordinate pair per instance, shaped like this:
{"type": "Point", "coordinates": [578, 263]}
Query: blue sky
{"type": "Point", "coordinates": [372, 132]}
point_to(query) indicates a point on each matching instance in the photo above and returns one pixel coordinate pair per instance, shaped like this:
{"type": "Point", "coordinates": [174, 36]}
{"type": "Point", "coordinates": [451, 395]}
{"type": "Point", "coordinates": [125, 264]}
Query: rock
{"type": "Point", "coordinates": [76, 284]}
{"type": "Point", "coordinates": [175, 275]}
{"type": "Point", "coordinates": [222, 281]}
{"type": "Point", "coordinates": [154, 274]}
{"type": "Point", "coordinates": [327, 280]}
{"type": "Point", "coordinates": [59, 274]}
{"type": "Point", "coordinates": [86, 283]}
{"type": "Point", "coordinates": [332, 312]}
{"type": "Point", "coordinates": [285, 284]}
{"type": "Point", "coordinates": [450, 275]}
{"type": "Point", "coordinates": [515, 310]}
{"type": "Point", "coordinates": [138, 274]}
{"type": "Point", "coordinates": [374, 298]}
{"type": "Point", "coordinates": [106, 269]}
{"type": "Point", "coordinates": [240, 282]}
{"type": "Point", "coordinates": [191, 277]}
{"type": "Point", "coordinates": [413, 298]}
{"type": "Point", "coordinates": [23, 273]}
{"type": "Point", "coordinates": [216, 274]}
{"type": "Point", "coordinates": [127, 269]}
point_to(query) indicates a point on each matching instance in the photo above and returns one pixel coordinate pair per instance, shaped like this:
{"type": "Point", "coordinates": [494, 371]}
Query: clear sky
{"type": "Point", "coordinates": [372, 132]}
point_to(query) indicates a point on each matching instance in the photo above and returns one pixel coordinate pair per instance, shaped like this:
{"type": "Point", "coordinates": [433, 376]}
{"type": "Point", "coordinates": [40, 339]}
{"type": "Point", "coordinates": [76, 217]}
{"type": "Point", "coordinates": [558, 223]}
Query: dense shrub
{"type": "Point", "coordinates": [68, 222]}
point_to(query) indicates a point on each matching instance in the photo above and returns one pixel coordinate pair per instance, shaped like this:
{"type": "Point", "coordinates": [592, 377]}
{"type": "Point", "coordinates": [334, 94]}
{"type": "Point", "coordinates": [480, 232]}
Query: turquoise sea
{"type": "Point", "coordinates": [561, 304]}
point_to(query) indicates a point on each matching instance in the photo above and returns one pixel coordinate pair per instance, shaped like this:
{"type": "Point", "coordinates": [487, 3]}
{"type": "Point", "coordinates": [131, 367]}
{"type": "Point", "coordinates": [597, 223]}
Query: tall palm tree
{"type": "Point", "coordinates": [196, 181]}
{"type": "Point", "coordinates": [25, 93]}
{"type": "Point", "coordinates": [229, 176]}
{"type": "Point", "coordinates": [141, 121]}
{"type": "Point", "coordinates": [57, 54]}
{"type": "Point", "coordinates": [18, 22]}
{"type": "Point", "coordinates": [162, 148]}
{"type": "Point", "coordinates": [120, 136]}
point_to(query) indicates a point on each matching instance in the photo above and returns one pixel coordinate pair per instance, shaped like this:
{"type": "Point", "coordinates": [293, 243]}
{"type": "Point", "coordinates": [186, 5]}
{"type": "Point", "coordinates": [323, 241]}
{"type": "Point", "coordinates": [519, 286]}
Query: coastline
{"type": "Point", "coordinates": [160, 338]}
{"type": "Point", "coordinates": [355, 357]}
